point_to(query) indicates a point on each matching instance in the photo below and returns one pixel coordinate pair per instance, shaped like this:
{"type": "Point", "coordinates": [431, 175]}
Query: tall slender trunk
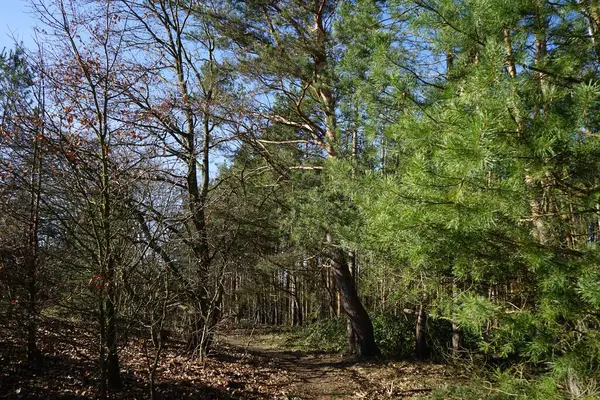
{"type": "Point", "coordinates": [33, 253]}
{"type": "Point", "coordinates": [420, 339]}
{"type": "Point", "coordinates": [113, 370]}
{"type": "Point", "coordinates": [113, 373]}
{"type": "Point", "coordinates": [200, 330]}
{"type": "Point", "coordinates": [455, 327]}
{"type": "Point", "coordinates": [332, 293]}
{"type": "Point", "coordinates": [102, 389]}
{"type": "Point", "coordinates": [540, 188]}
{"type": "Point", "coordinates": [455, 338]}
{"type": "Point", "coordinates": [536, 203]}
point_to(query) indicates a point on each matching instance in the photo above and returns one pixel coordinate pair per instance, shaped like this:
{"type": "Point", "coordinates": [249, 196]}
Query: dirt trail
{"type": "Point", "coordinates": [323, 376]}
{"type": "Point", "coordinates": [244, 365]}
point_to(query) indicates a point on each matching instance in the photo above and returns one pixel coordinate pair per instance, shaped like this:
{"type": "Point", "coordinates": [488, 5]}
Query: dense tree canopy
{"type": "Point", "coordinates": [428, 170]}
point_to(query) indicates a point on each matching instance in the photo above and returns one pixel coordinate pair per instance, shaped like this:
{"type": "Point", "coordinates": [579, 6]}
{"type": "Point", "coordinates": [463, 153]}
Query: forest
{"type": "Point", "coordinates": [404, 182]}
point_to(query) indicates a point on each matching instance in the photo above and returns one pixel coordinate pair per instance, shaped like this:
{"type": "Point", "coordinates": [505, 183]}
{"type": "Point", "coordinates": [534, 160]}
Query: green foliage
{"type": "Point", "coordinates": [16, 78]}
{"type": "Point", "coordinates": [395, 335]}
{"type": "Point", "coordinates": [510, 385]}
{"type": "Point", "coordinates": [478, 390]}
{"type": "Point", "coordinates": [452, 146]}
{"type": "Point", "coordinates": [323, 335]}
{"type": "Point", "coordinates": [473, 312]}
{"type": "Point", "coordinates": [497, 171]}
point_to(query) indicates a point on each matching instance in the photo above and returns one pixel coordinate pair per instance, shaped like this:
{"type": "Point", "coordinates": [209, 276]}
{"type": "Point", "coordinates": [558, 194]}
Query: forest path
{"type": "Point", "coordinates": [312, 375]}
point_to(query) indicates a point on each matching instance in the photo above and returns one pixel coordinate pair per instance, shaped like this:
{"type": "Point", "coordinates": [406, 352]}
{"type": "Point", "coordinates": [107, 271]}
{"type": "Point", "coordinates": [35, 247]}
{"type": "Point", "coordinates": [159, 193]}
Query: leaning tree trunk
{"type": "Point", "coordinates": [360, 334]}
{"type": "Point", "coordinates": [362, 340]}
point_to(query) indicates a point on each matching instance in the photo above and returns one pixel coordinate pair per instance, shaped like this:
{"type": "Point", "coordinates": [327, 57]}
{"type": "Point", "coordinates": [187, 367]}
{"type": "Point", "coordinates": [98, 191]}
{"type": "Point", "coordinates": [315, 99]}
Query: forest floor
{"type": "Point", "coordinates": [322, 376]}
{"type": "Point", "coordinates": [245, 365]}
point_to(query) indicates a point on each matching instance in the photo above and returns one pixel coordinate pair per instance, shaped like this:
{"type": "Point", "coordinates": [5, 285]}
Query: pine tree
{"type": "Point", "coordinates": [288, 53]}
{"type": "Point", "coordinates": [495, 191]}
{"type": "Point", "coordinates": [21, 171]}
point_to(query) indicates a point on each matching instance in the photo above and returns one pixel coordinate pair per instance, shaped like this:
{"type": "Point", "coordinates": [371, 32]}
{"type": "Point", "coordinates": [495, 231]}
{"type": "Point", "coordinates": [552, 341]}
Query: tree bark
{"type": "Point", "coordinates": [421, 350]}
{"type": "Point", "coordinates": [362, 340]}
{"type": "Point", "coordinates": [455, 327]}
{"type": "Point", "coordinates": [33, 353]}
{"type": "Point", "coordinates": [455, 338]}
{"type": "Point", "coordinates": [113, 370]}
{"type": "Point", "coordinates": [299, 318]}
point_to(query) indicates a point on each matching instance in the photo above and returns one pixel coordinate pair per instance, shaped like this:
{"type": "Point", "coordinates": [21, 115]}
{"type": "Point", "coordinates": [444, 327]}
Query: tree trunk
{"type": "Point", "coordinates": [299, 318]}
{"type": "Point", "coordinates": [361, 338]}
{"type": "Point", "coordinates": [32, 257]}
{"type": "Point", "coordinates": [421, 350]}
{"type": "Point", "coordinates": [455, 327]}
{"type": "Point", "coordinates": [455, 338]}
{"type": "Point", "coordinates": [331, 292]}
{"type": "Point", "coordinates": [194, 336]}
{"type": "Point", "coordinates": [102, 390]}
{"type": "Point", "coordinates": [33, 353]}
{"type": "Point", "coordinates": [113, 372]}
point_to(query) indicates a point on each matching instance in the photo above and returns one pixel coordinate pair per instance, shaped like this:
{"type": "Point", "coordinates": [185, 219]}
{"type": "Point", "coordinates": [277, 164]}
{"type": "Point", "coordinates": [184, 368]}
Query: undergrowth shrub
{"type": "Point", "coordinates": [512, 385]}
{"type": "Point", "coordinates": [395, 334]}
{"type": "Point", "coordinates": [323, 335]}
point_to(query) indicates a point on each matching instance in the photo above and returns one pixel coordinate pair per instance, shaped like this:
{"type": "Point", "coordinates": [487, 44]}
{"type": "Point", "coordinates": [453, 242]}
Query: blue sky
{"type": "Point", "coordinates": [15, 21]}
